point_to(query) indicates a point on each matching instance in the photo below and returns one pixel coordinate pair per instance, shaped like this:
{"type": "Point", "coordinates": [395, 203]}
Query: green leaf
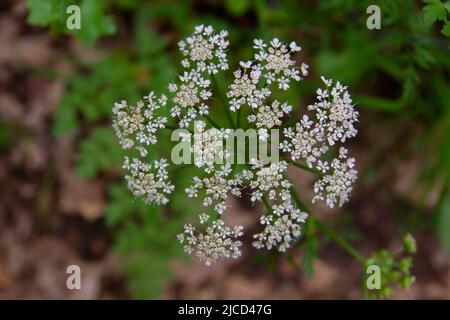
{"type": "Point", "coordinates": [99, 152]}
{"type": "Point", "coordinates": [94, 23]}
{"type": "Point", "coordinates": [435, 10]}
{"type": "Point", "coordinates": [447, 6]}
{"type": "Point", "coordinates": [52, 13]}
{"type": "Point", "coordinates": [446, 29]}
{"type": "Point", "coordinates": [409, 243]}
{"type": "Point", "coordinates": [40, 12]}
{"type": "Point", "coordinates": [309, 247]}
{"type": "Point", "coordinates": [90, 96]}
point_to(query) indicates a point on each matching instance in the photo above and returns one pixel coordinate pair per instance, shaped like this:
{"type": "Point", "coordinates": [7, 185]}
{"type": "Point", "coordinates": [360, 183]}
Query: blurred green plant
{"type": "Point", "coordinates": [94, 22]}
{"type": "Point", "coordinates": [395, 269]}
{"type": "Point", "coordinates": [436, 10]}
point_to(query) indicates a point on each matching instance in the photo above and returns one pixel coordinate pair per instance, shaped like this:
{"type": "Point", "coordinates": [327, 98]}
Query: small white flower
{"type": "Point", "coordinates": [259, 44]}
{"type": "Point", "coordinates": [148, 181]}
{"type": "Point", "coordinates": [245, 65]}
{"type": "Point", "coordinates": [137, 125]}
{"type": "Point", "coordinates": [294, 47]}
{"type": "Point", "coordinates": [282, 227]}
{"type": "Point", "coordinates": [216, 242]}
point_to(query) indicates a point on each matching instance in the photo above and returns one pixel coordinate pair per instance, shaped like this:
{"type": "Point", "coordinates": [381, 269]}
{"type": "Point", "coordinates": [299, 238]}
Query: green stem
{"type": "Point", "coordinates": [328, 231]}
{"type": "Point", "coordinates": [266, 203]}
{"type": "Point", "coordinates": [223, 101]}
{"type": "Point", "coordinates": [169, 127]}
{"type": "Point", "coordinates": [340, 241]}
{"type": "Point", "coordinates": [211, 121]}
{"type": "Point", "coordinates": [304, 167]}
{"type": "Point", "coordinates": [238, 114]}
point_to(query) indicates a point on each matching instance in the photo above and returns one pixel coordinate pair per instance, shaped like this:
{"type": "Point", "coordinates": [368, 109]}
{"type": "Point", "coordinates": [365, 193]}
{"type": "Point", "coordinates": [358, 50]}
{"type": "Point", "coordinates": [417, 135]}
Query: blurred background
{"type": "Point", "coordinates": [63, 200]}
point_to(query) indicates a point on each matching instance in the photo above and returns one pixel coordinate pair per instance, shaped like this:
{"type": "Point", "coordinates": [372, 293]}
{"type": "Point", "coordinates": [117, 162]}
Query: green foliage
{"type": "Point", "coordinates": [94, 22]}
{"type": "Point", "coordinates": [436, 10]}
{"type": "Point", "coordinates": [98, 153]}
{"type": "Point", "coordinates": [409, 244]}
{"type": "Point", "coordinates": [142, 238]}
{"type": "Point", "coordinates": [145, 235]}
{"type": "Point", "coordinates": [47, 13]}
{"type": "Point", "coordinates": [395, 269]}
{"type": "Point", "coordinates": [309, 247]}
{"type": "Point", "coordinates": [90, 97]}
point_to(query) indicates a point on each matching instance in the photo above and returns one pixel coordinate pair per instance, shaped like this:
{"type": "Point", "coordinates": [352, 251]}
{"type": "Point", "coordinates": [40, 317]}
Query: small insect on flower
{"type": "Point", "coordinates": [313, 143]}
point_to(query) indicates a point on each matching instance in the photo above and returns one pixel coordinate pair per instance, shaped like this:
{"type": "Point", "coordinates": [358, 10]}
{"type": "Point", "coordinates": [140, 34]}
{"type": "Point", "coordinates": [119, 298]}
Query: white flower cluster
{"type": "Point", "coordinates": [305, 141]}
{"type": "Point", "coordinates": [205, 55]}
{"type": "Point", "coordinates": [208, 147]}
{"type": "Point", "coordinates": [244, 90]}
{"type": "Point", "coordinates": [217, 188]}
{"type": "Point", "coordinates": [270, 116]}
{"type": "Point", "coordinates": [312, 140]}
{"type": "Point", "coordinates": [216, 242]}
{"type": "Point", "coordinates": [138, 124]}
{"type": "Point", "coordinates": [276, 64]}
{"type": "Point", "coordinates": [147, 181]}
{"type": "Point", "coordinates": [268, 180]}
{"type": "Point", "coordinates": [335, 117]}
{"type": "Point", "coordinates": [336, 186]}
{"type": "Point", "coordinates": [205, 49]}
{"type": "Point", "coordinates": [335, 112]}
{"type": "Point", "coordinates": [282, 227]}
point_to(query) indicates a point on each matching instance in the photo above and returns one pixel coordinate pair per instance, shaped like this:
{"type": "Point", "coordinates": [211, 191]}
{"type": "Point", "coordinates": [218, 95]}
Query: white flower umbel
{"type": "Point", "coordinates": [137, 125]}
{"type": "Point", "coordinates": [304, 142]}
{"type": "Point", "coordinates": [205, 50]}
{"type": "Point", "coordinates": [276, 63]}
{"type": "Point", "coordinates": [217, 188]}
{"type": "Point", "coordinates": [267, 179]}
{"type": "Point", "coordinates": [282, 227]}
{"type": "Point", "coordinates": [148, 181]}
{"type": "Point", "coordinates": [336, 186]}
{"type": "Point", "coordinates": [310, 143]}
{"type": "Point", "coordinates": [205, 55]}
{"type": "Point", "coordinates": [217, 241]}
{"type": "Point", "coordinates": [244, 90]}
{"type": "Point", "coordinates": [251, 85]}
{"type": "Point", "coordinates": [208, 147]}
{"type": "Point", "coordinates": [270, 116]}
{"type": "Point", "coordinates": [335, 112]}
{"type": "Point", "coordinates": [333, 122]}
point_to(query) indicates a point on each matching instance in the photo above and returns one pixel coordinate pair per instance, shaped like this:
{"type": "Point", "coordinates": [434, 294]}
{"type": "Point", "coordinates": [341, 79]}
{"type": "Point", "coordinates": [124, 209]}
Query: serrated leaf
{"type": "Point", "coordinates": [433, 12]}
{"type": "Point", "coordinates": [447, 6]}
{"type": "Point", "coordinates": [446, 29]}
